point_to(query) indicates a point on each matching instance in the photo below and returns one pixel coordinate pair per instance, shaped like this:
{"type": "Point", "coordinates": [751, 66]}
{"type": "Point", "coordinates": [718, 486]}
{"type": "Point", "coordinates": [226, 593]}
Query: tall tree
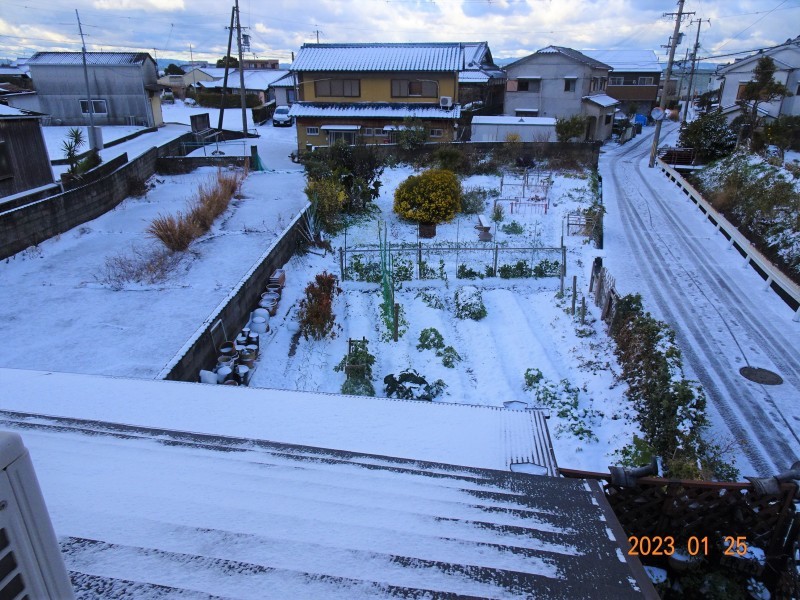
{"type": "Point", "coordinates": [233, 63]}
{"type": "Point", "coordinates": [762, 88]}
{"type": "Point", "coordinates": [173, 69]}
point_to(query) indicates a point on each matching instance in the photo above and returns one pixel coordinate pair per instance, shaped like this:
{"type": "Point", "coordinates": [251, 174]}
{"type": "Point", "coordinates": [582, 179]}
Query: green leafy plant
{"type": "Point", "coordinates": [469, 303]}
{"type": "Point", "coordinates": [564, 399]}
{"type": "Point", "coordinates": [547, 268]}
{"type": "Point", "coordinates": [513, 228]}
{"type": "Point", "coordinates": [410, 385]}
{"type": "Point", "coordinates": [357, 365]}
{"type": "Point", "coordinates": [449, 356]}
{"type": "Point", "coordinates": [358, 270]}
{"type": "Point", "coordinates": [465, 272]}
{"type": "Point", "coordinates": [430, 339]}
{"type": "Point", "coordinates": [515, 271]}
{"type": "Point", "coordinates": [498, 214]}
{"type": "Point", "coordinates": [570, 128]}
{"type": "Point", "coordinates": [473, 200]}
{"type": "Point", "coordinates": [328, 198]}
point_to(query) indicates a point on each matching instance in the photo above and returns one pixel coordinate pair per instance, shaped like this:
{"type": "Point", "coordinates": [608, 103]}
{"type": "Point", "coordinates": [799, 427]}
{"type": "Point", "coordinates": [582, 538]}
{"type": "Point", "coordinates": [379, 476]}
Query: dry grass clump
{"type": "Point", "coordinates": [179, 231]}
{"type": "Point", "coordinates": [139, 266]}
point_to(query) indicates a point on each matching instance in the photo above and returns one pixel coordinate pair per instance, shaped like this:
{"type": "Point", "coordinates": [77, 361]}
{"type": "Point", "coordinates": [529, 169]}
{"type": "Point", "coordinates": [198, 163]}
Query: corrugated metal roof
{"type": "Point", "coordinates": [9, 112]}
{"type": "Point", "coordinates": [92, 58]}
{"type": "Point", "coordinates": [379, 57]}
{"type": "Point", "coordinates": [386, 110]}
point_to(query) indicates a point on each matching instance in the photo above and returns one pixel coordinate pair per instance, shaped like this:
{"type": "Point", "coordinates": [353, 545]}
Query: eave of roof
{"type": "Point", "coordinates": [376, 110]}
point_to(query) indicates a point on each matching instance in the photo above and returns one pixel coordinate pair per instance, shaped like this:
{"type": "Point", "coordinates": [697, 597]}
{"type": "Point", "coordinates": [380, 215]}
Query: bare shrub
{"type": "Point", "coordinates": [139, 266]}
{"type": "Point", "coordinates": [175, 232]}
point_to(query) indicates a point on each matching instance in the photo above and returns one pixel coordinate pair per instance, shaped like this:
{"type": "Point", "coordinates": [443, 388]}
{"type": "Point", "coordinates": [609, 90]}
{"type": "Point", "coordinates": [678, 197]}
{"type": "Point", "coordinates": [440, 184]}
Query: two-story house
{"type": "Point", "coordinates": [561, 82]}
{"type": "Point", "coordinates": [122, 86]}
{"type": "Point", "coordinates": [787, 71]}
{"type": "Point", "coordinates": [634, 79]}
{"type": "Point", "coordinates": [369, 91]}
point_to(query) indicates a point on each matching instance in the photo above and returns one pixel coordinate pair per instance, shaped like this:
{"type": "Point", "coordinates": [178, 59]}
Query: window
{"type": "Point", "coordinates": [367, 132]}
{"type": "Point", "coordinates": [312, 130]}
{"type": "Point", "coordinates": [348, 88]}
{"type": "Point", "coordinates": [797, 91]}
{"type": "Point", "coordinates": [608, 119]}
{"type": "Point", "coordinates": [595, 84]}
{"type": "Point", "coordinates": [529, 85]}
{"type": "Point", "coordinates": [570, 84]}
{"type": "Point", "coordinates": [645, 81]}
{"type": "Point", "coordinates": [348, 136]}
{"type": "Point", "coordinates": [616, 81]}
{"type": "Point", "coordinates": [419, 88]}
{"type": "Point", "coordinates": [603, 81]}
{"type": "Point", "coordinates": [740, 90]}
{"type": "Point", "coordinates": [99, 107]}
{"type": "Point", "coordinates": [437, 133]}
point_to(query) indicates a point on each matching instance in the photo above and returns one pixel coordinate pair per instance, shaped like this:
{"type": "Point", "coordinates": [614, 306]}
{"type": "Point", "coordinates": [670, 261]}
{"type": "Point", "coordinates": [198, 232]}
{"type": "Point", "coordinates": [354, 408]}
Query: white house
{"type": "Point", "coordinates": [561, 82]}
{"type": "Point", "coordinates": [736, 75]}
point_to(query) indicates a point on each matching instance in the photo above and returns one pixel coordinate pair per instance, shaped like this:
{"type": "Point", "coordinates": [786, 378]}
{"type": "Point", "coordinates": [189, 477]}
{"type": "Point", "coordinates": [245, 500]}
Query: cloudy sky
{"type": "Point", "coordinates": [513, 28]}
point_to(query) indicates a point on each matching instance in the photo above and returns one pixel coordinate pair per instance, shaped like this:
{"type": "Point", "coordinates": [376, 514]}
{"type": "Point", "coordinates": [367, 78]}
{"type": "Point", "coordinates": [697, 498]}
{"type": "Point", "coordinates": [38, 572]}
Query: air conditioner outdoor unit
{"type": "Point", "coordinates": [446, 102]}
{"type": "Point", "coordinates": [31, 560]}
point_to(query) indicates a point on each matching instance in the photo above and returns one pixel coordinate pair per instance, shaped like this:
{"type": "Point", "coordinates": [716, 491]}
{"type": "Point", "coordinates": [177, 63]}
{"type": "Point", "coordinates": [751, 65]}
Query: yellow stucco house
{"type": "Point", "coordinates": [367, 91]}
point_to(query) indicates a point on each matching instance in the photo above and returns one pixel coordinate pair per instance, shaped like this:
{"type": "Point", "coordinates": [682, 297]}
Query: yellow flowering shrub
{"type": "Point", "coordinates": [433, 196]}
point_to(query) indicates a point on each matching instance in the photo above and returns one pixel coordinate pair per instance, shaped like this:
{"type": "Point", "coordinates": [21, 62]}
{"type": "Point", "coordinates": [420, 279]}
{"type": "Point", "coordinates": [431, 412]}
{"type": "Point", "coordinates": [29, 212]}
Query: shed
{"type": "Point", "coordinates": [24, 162]}
{"type": "Point", "coordinates": [529, 129]}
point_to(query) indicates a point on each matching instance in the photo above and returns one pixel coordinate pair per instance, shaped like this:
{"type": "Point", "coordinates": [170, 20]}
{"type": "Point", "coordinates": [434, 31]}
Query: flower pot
{"type": "Point", "coordinates": [279, 277]}
{"type": "Point", "coordinates": [275, 288]}
{"type": "Point", "coordinates": [427, 230]}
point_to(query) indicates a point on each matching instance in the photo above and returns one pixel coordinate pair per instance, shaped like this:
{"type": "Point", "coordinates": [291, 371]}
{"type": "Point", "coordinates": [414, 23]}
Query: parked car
{"type": "Point", "coordinates": [281, 118]}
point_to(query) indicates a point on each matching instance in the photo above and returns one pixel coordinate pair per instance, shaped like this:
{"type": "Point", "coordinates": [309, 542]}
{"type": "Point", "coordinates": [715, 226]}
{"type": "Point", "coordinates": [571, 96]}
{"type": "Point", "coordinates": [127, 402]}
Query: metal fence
{"type": "Point", "coordinates": [451, 261]}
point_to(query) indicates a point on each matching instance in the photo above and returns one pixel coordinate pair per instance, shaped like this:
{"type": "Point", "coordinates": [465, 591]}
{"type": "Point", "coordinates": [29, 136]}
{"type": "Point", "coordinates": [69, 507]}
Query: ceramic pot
{"type": "Point", "coordinates": [242, 374]}
{"type": "Point", "coordinates": [253, 348]}
{"type": "Point", "coordinates": [261, 312]}
{"type": "Point", "coordinates": [223, 373]}
{"type": "Point", "coordinates": [226, 348]}
{"type": "Point", "coordinates": [225, 360]}
{"type": "Point", "coordinates": [269, 305]}
{"type": "Point", "coordinates": [259, 325]}
{"type": "Point", "coordinates": [271, 296]}
{"type": "Point", "coordinates": [275, 288]}
{"type": "Point", "coordinates": [208, 377]}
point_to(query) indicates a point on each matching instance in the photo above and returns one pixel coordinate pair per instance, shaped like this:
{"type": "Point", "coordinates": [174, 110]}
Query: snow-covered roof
{"type": "Point", "coordinates": [286, 81]}
{"type": "Point", "coordinates": [473, 77]}
{"type": "Point", "coordinates": [377, 110]}
{"type": "Point", "coordinates": [603, 100]}
{"type": "Point", "coordinates": [255, 79]}
{"type": "Point", "coordinates": [146, 510]}
{"type": "Point", "coordinates": [8, 112]}
{"type": "Point", "coordinates": [92, 58]}
{"type": "Point", "coordinates": [574, 55]}
{"type": "Point", "coordinates": [478, 436]}
{"type": "Point", "coordinates": [627, 60]}
{"type": "Point", "coordinates": [12, 71]}
{"type": "Point", "coordinates": [379, 57]}
{"type": "Point", "coordinates": [538, 121]}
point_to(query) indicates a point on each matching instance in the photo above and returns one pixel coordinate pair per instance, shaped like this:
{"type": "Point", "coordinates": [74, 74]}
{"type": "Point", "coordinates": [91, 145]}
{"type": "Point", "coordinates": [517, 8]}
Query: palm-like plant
{"type": "Point", "coordinates": [71, 146]}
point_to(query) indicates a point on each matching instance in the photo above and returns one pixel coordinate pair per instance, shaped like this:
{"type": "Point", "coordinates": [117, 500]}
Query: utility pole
{"type": "Point", "coordinates": [683, 73]}
{"type": "Point", "coordinates": [241, 71]}
{"type": "Point", "coordinates": [663, 104]}
{"type": "Point", "coordinates": [694, 62]}
{"type": "Point", "coordinates": [227, 66]}
{"type": "Point", "coordinates": [92, 136]}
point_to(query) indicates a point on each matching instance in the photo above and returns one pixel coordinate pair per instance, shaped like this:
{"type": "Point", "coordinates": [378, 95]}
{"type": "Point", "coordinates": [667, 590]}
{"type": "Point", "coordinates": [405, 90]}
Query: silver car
{"type": "Point", "coordinates": [281, 118]}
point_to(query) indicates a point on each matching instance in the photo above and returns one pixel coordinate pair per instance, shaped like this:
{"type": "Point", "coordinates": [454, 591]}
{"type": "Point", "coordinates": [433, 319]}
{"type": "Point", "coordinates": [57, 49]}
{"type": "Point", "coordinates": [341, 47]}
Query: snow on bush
{"type": "Point", "coordinates": [469, 303]}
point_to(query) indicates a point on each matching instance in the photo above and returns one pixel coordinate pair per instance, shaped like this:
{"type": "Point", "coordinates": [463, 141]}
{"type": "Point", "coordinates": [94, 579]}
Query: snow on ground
{"type": "Point", "coordinates": [660, 245]}
{"type": "Point", "coordinates": [88, 327]}
{"type": "Point", "coordinates": [527, 324]}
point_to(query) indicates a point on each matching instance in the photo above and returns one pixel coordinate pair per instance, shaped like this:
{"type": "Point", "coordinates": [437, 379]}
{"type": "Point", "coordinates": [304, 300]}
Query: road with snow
{"type": "Point", "coordinates": [659, 244]}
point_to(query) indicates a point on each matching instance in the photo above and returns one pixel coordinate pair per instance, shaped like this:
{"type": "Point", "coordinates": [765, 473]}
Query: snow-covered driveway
{"type": "Point", "coordinates": [660, 245]}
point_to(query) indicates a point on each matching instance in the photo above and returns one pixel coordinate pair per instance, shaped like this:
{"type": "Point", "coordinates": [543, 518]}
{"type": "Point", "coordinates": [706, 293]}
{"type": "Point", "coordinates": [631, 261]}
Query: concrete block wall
{"type": "Point", "coordinates": [36, 222]}
{"type": "Point", "coordinates": [176, 165]}
{"type": "Point", "coordinates": [200, 352]}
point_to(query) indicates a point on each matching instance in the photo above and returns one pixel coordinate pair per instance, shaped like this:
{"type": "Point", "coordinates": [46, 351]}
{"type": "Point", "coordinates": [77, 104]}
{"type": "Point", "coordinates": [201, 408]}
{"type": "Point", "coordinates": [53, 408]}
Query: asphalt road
{"type": "Point", "coordinates": [658, 244]}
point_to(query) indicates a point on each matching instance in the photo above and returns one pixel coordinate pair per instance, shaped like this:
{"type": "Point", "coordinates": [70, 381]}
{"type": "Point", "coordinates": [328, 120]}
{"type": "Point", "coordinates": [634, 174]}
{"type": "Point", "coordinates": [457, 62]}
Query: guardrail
{"type": "Point", "coordinates": [773, 278]}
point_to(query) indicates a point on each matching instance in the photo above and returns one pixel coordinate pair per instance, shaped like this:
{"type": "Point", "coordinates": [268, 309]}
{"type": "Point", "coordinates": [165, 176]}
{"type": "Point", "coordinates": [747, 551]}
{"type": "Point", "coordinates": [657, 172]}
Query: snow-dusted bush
{"type": "Point", "coordinates": [316, 309]}
{"type": "Point", "coordinates": [709, 135]}
{"type": "Point", "coordinates": [431, 197]}
{"type": "Point", "coordinates": [469, 303]}
{"type": "Point", "coordinates": [430, 339]}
